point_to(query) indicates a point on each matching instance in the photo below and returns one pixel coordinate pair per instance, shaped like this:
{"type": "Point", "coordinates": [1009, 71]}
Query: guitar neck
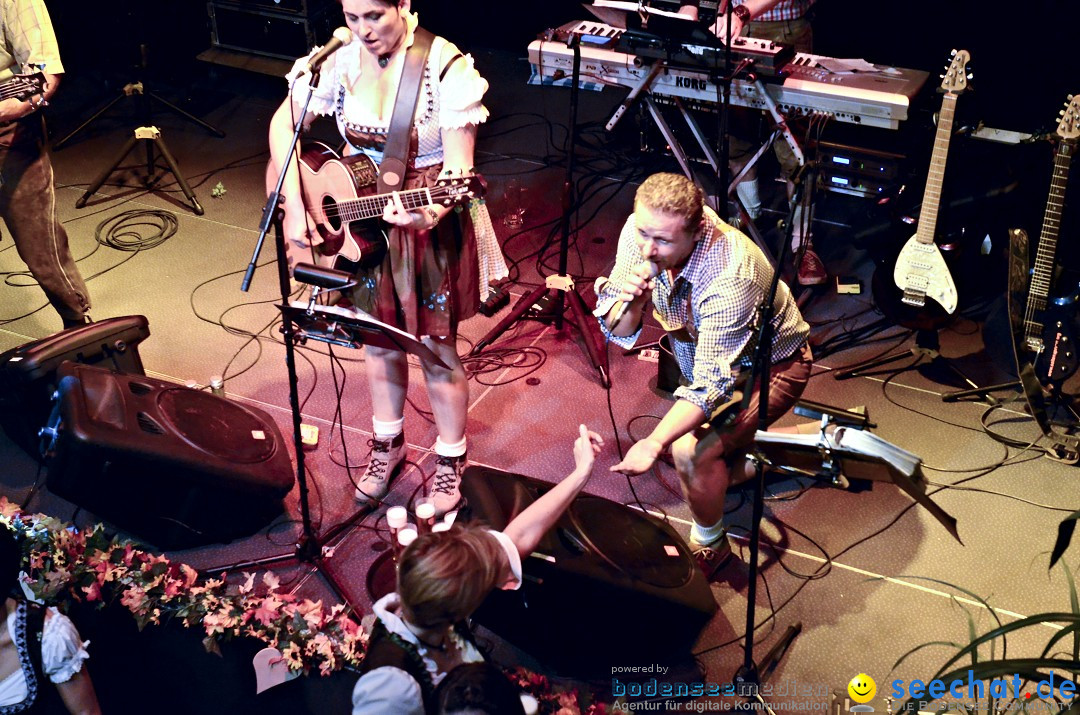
{"type": "Point", "coordinates": [1043, 273]}
{"type": "Point", "coordinates": [367, 207]}
{"type": "Point", "coordinates": [936, 175]}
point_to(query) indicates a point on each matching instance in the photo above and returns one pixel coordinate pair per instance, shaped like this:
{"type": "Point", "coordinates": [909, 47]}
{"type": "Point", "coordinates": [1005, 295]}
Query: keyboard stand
{"type": "Point", "coordinates": [642, 92]}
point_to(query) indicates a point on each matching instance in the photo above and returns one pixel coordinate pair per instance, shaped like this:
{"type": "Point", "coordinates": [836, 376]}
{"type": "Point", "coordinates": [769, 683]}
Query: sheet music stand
{"type": "Point", "coordinates": [849, 453]}
{"type": "Point", "coordinates": [352, 328]}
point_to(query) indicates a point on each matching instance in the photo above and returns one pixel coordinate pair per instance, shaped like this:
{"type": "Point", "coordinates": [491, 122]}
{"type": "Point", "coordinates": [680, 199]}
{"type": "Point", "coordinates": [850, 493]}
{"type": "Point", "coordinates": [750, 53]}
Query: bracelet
{"type": "Point", "coordinates": [741, 12]}
{"type": "Point", "coordinates": [434, 216]}
{"type": "Point", "coordinates": [36, 104]}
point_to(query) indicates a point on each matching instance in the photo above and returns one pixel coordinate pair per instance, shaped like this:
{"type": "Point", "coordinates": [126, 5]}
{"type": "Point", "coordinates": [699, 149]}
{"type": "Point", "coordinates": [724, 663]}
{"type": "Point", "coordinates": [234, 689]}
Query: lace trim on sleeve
{"type": "Point", "coordinates": [62, 650]}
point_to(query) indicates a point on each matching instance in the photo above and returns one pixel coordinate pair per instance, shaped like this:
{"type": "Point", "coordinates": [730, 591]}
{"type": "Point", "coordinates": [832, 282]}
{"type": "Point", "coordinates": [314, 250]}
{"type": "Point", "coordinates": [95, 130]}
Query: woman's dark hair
{"type": "Point", "coordinates": [478, 688]}
{"type": "Point", "coordinates": [10, 561]}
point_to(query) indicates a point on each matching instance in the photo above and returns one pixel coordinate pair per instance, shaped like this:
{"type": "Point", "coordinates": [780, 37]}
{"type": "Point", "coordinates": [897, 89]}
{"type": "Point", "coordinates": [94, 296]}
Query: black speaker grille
{"type": "Point", "coordinates": [637, 547]}
{"type": "Point", "coordinates": [147, 424]}
{"type": "Point", "coordinates": [217, 425]}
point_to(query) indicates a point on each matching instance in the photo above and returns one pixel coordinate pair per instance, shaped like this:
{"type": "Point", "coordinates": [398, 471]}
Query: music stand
{"type": "Point", "coordinates": [337, 326]}
{"type": "Point", "coordinates": [849, 453]}
{"type": "Point", "coordinates": [351, 327]}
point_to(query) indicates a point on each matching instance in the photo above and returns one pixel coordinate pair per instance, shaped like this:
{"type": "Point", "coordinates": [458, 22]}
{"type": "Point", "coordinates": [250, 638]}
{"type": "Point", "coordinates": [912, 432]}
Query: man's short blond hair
{"type": "Point", "coordinates": [672, 194]}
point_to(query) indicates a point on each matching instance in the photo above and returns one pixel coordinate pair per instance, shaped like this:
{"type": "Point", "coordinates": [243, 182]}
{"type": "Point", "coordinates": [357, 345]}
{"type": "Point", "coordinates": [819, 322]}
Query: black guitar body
{"type": "Point", "coordinates": [1058, 360]}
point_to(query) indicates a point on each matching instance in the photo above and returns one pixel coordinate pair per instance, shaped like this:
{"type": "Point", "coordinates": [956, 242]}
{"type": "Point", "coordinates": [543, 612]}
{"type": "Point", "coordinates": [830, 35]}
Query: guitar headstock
{"type": "Point", "coordinates": [955, 79]}
{"type": "Point", "coordinates": [1068, 127]}
{"type": "Point", "coordinates": [459, 189]}
{"type": "Point", "coordinates": [23, 86]}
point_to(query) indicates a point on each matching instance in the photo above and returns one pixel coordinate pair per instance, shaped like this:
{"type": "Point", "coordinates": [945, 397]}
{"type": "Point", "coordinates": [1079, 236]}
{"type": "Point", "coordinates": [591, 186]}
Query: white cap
{"type": "Point", "coordinates": [441, 526]}
{"type": "Point", "coordinates": [407, 535]}
{"type": "Point", "coordinates": [397, 517]}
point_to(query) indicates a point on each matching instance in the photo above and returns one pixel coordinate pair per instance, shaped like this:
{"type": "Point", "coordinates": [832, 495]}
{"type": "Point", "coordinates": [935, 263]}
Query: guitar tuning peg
{"type": "Point", "coordinates": [941, 76]}
{"type": "Point", "coordinates": [971, 75]}
{"type": "Point", "coordinates": [952, 53]}
{"type": "Point", "coordinates": [1070, 98]}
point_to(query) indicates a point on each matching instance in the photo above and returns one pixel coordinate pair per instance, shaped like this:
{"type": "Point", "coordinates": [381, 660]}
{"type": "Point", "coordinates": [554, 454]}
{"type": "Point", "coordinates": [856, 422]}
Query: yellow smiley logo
{"type": "Point", "coordinates": [862, 688]}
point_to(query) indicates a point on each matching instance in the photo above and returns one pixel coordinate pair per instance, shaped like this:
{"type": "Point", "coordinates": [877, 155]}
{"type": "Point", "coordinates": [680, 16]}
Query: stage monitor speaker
{"type": "Point", "coordinates": [175, 466]}
{"type": "Point", "coordinates": [28, 372]}
{"type": "Point", "coordinates": [608, 586]}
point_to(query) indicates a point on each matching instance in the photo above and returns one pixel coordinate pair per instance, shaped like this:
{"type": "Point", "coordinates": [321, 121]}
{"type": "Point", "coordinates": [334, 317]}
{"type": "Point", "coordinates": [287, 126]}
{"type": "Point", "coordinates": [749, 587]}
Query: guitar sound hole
{"type": "Point", "coordinates": [330, 211]}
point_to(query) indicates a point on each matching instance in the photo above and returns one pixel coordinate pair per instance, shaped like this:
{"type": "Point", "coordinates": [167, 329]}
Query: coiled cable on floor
{"type": "Point", "coordinates": [136, 230]}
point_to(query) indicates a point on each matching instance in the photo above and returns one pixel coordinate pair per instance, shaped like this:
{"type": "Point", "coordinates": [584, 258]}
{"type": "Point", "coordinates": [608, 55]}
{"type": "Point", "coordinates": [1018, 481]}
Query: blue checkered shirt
{"type": "Point", "coordinates": [709, 309]}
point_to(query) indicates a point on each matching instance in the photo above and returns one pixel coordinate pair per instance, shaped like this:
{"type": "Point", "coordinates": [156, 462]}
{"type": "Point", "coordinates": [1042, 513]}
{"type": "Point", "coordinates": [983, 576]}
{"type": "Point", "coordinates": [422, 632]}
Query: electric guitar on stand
{"type": "Point", "coordinates": [1049, 340]}
{"type": "Point", "coordinates": [920, 271]}
{"type": "Point", "coordinates": [339, 194]}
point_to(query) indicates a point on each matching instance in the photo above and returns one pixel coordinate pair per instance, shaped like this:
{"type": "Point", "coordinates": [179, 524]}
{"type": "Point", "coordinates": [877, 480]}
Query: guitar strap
{"type": "Point", "coordinates": [396, 153]}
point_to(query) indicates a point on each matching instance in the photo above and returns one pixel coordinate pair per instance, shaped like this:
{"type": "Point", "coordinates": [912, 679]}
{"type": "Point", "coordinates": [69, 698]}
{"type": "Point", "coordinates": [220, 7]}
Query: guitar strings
{"type": "Point", "coordinates": [372, 206]}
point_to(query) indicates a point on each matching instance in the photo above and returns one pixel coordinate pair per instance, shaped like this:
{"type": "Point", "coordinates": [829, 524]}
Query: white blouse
{"type": "Point", "coordinates": [62, 655]}
{"type": "Point", "coordinates": [450, 102]}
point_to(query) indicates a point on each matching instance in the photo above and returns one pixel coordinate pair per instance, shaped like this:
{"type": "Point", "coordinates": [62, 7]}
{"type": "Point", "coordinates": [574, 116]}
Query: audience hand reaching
{"type": "Point", "coordinates": [586, 447]}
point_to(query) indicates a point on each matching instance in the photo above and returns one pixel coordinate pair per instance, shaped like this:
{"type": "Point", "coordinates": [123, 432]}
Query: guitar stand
{"type": "Point", "coordinates": [561, 287]}
{"type": "Point", "coordinates": [926, 352]}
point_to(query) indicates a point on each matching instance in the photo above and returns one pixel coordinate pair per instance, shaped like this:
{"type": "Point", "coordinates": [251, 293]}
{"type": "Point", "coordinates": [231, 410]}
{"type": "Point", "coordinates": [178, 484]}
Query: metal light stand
{"type": "Point", "coordinates": [562, 284]}
{"type": "Point", "coordinates": [310, 548]}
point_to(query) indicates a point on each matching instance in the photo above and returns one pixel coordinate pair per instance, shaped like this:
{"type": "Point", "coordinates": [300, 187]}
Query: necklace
{"type": "Point", "coordinates": [384, 60]}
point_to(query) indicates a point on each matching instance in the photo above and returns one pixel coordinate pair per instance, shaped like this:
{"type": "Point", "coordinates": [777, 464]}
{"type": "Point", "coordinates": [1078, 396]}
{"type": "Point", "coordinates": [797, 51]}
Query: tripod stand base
{"type": "Point", "coordinates": [151, 135]}
{"type": "Point", "coordinates": [560, 287]}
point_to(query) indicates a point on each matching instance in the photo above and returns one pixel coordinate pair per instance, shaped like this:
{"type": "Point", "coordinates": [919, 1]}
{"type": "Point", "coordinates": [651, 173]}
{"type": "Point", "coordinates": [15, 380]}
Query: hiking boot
{"type": "Point", "coordinates": [385, 461]}
{"type": "Point", "coordinates": [446, 491]}
{"type": "Point", "coordinates": [811, 270]}
{"type": "Point", "coordinates": [712, 558]}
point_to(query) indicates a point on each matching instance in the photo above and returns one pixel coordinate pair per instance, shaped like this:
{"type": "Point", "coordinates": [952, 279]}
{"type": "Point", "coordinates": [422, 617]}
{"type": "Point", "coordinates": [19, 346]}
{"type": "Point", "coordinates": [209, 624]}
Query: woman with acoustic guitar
{"type": "Point", "coordinates": [437, 256]}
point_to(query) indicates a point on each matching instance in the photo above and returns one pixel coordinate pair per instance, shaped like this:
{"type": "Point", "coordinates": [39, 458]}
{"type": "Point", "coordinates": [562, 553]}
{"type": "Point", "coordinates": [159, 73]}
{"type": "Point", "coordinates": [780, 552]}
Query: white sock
{"type": "Point", "coordinates": [747, 189]}
{"type": "Point", "coordinates": [387, 430]}
{"type": "Point", "coordinates": [455, 449]}
{"type": "Point", "coordinates": [706, 534]}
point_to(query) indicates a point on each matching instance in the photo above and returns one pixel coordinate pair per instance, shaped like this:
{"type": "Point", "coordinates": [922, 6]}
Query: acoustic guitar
{"type": "Point", "coordinates": [920, 271]}
{"type": "Point", "coordinates": [340, 197]}
{"type": "Point", "coordinates": [1049, 338]}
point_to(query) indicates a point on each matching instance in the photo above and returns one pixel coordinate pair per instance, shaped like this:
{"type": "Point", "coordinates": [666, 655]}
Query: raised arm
{"type": "Point", "coordinates": [528, 527]}
{"type": "Point", "coordinates": [297, 224]}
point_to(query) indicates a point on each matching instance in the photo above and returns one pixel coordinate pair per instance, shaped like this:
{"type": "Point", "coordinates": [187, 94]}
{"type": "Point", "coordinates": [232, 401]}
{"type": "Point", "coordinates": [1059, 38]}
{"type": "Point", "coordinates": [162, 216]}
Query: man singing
{"type": "Point", "coordinates": [706, 281]}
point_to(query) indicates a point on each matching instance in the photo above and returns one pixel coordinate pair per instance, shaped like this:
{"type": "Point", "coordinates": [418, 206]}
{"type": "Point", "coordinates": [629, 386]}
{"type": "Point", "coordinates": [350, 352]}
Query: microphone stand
{"type": "Point", "coordinates": [310, 548]}
{"type": "Point", "coordinates": [748, 676]}
{"type": "Point", "coordinates": [561, 287]}
{"type": "Point", "coordinates": [726, 8]}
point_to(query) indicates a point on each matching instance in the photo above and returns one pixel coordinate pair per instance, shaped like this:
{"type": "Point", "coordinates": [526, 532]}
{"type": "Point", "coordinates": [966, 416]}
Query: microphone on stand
{"type": "Point", "coordinates": [342, 36]}
{"type": "Point", "coordinates": [651, 270]}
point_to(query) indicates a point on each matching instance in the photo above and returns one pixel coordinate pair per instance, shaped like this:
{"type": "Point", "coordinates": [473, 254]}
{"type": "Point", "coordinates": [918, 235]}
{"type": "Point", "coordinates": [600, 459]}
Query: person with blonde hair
{"type": "Point", "coordinates": [706, 281]}
{"type": "Point", "coordinates": [420, 633]}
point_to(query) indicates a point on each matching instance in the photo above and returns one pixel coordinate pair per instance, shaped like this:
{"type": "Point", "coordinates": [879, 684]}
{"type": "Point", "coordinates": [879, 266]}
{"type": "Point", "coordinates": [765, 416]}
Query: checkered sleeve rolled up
{"type": "Point", "coordinates": [626, 258]}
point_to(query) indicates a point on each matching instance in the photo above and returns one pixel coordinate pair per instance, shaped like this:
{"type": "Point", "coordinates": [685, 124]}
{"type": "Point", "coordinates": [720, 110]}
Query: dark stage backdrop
{"type": "Point", "coordinates": [1022, 52]}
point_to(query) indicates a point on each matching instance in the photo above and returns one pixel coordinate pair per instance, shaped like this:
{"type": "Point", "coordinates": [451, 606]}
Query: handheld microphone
{"type": "Point", "coordinates": [653, 270]}
{"type": "Point", "coordinates": [342, 36]}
